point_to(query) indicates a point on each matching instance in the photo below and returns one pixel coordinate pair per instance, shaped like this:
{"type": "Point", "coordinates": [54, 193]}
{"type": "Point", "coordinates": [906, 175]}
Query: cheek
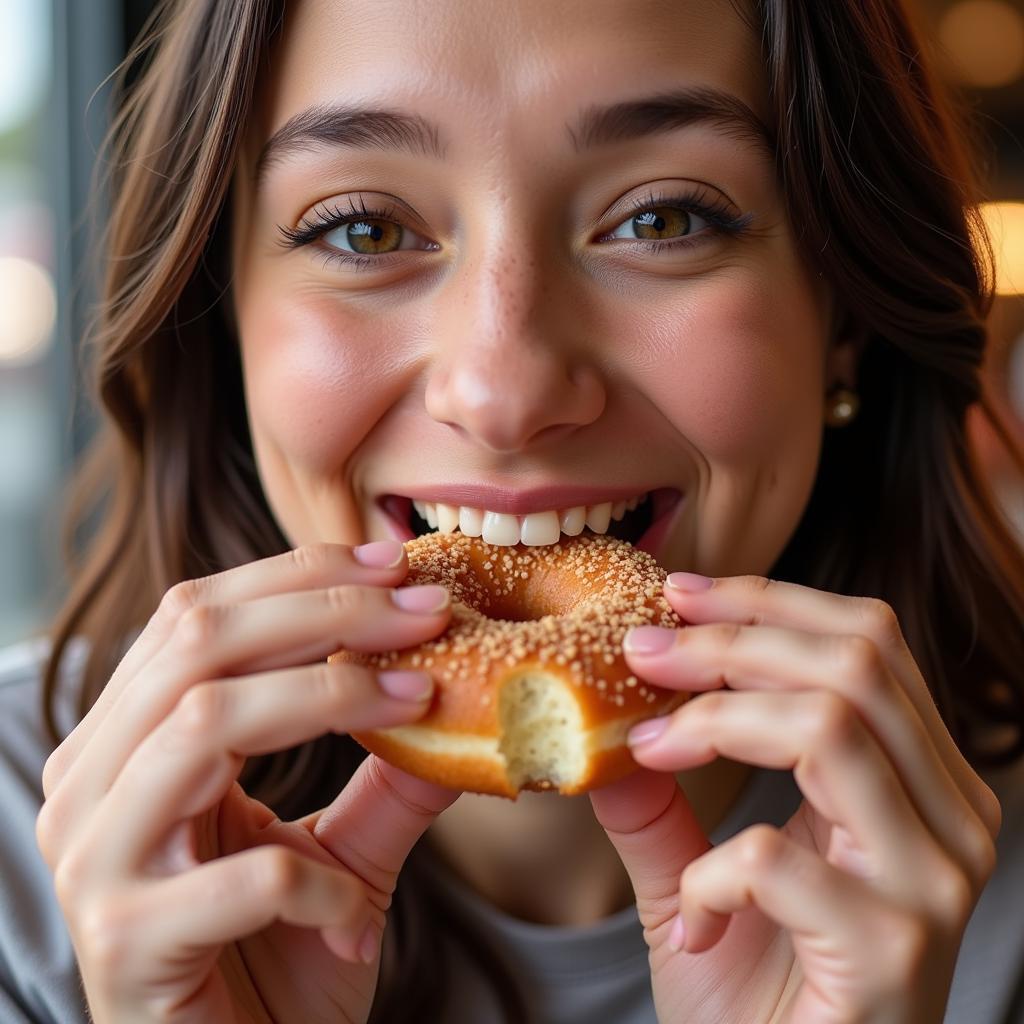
{"type": "Point", "coordinates": [315, 378]}
{"type": "Point", "coordinates": [741, 380]}
{"type": "Point", "coordinates": [742, 374]}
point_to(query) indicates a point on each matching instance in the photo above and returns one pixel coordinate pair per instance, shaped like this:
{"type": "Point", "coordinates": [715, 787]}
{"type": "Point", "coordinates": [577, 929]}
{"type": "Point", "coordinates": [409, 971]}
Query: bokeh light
{"type": "Point", "coordinates": [28, 310]}
{"type": "Point", "coordinates": [1005, 223]}
{"type": "Point", "coordinates": [24, 58]}
{"type": "Point", "coordinates": [984, 42]}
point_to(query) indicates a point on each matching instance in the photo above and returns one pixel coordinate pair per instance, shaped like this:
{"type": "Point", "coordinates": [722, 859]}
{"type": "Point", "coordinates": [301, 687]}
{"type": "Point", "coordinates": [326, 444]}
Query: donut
{"type": "Point", "coordinates": [531, 687]}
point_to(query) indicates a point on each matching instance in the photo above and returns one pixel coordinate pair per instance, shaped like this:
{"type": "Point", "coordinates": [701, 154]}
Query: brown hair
{"type": "Point", "coordinates": [876, 177]}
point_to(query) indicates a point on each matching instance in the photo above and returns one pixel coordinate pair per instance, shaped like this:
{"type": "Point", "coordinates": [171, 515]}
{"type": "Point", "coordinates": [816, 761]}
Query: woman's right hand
{"type": "Point", "coordinates": [186, 900]}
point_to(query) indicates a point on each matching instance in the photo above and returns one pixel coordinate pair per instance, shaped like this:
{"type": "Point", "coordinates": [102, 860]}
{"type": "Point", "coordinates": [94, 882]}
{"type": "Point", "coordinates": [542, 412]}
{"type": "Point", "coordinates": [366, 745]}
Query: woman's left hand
{"type": "Point", "coordinates": [855, 909]}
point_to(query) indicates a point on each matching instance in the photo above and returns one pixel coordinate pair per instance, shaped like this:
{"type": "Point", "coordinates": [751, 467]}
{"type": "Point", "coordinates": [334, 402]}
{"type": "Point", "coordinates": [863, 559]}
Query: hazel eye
{"type": "Point", "coordinates": [658, 223]}
{"type": "Point", "coordinates": [372, 236]}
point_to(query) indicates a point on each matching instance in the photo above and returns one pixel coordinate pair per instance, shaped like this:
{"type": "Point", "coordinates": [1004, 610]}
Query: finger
{"type": "Point", "coordinates": [762, 867]}
{"type": "Point", "coordinates": [754, 600]}
{"type": "Point", "coordinates": [228, 898]}
{"type": "Point", "coordinates": [270, 632]}
{"type": "Point", "coordinates": [311, 567]}
{"type": "Point", "coordinates": [212, 641]}
{"type": "Point", "coordinates": [652, 826]}
{"type": "Point", "coordinates": [377, 819]}
{"type": "Point", "coordinates": [775, 658]}
{"type": "Point", "coordinates": [836, 762]}
{"type": "Point", "coordinates": [856, 951]}
{"type": "Point", "coordinates": [190, 761]}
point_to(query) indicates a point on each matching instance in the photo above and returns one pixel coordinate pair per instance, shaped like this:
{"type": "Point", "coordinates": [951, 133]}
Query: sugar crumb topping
{"type": "Point", "coordinates": [606, 584]}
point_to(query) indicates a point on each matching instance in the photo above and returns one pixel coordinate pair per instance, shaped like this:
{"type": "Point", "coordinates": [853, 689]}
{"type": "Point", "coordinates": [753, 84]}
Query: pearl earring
{"type": "Point", "coordinates": [841, 407]}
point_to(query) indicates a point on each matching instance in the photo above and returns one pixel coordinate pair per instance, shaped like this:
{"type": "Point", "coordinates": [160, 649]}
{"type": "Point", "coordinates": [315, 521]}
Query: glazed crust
{"type": "Point", "coordinates": [562, 610]}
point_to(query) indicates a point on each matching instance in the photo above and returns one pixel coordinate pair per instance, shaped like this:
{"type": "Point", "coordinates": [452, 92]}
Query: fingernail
{"type": "Point", "coordinates": [691, 582]}
{"type": "Point", "coordinates": [648, 640]}
{"type": "Point", "coordinates": [379, 554]}
{"type": "Point", "coordinates": [425, 600]}
{"type": "Point", "coordinates": [405, 685]}
{"type": "Point", "coordinates": [645, 732]}
{"type": "Point", "coordinates": [677, 936]}
{"type": "Point", "coordinates": [369, 944]}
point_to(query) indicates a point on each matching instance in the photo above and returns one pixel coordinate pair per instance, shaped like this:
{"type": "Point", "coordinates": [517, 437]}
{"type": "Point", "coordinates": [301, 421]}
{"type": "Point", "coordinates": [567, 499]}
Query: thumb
{"type": "Point", "coordinates": [377, 819]}
{"type": "Point", "coordinates": [652, 826]}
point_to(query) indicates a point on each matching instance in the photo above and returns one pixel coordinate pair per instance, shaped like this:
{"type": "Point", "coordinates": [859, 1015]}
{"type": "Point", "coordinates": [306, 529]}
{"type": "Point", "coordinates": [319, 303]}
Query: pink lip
{"type": "Point", "coordinates": [520, 503]}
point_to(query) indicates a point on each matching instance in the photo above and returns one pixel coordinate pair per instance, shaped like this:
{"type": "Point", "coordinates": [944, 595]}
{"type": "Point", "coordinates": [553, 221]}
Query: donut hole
{"type": "Point", "coordinates": [541, 730]}
{"type": "Point", "coordinates": [537, 597]}
{"type": "Point", "coordinates": [502, 609]}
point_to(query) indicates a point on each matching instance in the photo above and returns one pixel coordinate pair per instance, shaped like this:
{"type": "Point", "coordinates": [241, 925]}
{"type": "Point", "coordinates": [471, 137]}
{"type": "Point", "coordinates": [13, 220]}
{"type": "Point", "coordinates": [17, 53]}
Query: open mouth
{"type": "Point", "coordinates": [643, 525]}
{"type": "Point", "coordinates": [630, 527]}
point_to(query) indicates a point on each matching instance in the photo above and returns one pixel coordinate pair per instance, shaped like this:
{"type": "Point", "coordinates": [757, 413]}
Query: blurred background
{"type": "Point", "coordinates": [55, 57]}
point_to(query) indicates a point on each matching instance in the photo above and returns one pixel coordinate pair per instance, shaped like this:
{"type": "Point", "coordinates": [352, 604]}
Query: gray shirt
{"type": "Point", "coordinates": [573, 974]}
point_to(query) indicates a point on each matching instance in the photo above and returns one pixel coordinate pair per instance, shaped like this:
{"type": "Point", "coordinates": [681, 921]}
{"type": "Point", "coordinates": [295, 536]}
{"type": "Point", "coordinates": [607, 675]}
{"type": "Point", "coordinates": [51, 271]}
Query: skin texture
{"type": "Point", "coordinates": [516, 345]}
{"type": "Point", "coordinates": [523, 351]}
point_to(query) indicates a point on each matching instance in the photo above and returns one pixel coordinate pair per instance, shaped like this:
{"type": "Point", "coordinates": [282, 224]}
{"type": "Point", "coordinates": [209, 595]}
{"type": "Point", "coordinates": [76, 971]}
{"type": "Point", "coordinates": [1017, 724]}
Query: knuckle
{"type": "Point", "coordinates": [71, 878]}
{"type": "Point", "coordinates": [906, 944]}
{"type": "Point", "coordinates": [953, 896]}
{"type": "Point", "coordinates": [180, 598]}
{"type": "Point", "coordinates": [983, 853]}
{"type": "Point", "coordinates": [55, 769]}
{"type": "Point", "coordinates": [48, 832]}
{"type": "Point", "coordinates": [335, 683]}
{"type": "Point", "coordinates": [277, 872]}
{"type": "Point", "coordinates": [348, 892]}
{"type": "Point", "coordinates": [722, 634]}
{"type": "Point", "coordinates": [199, 711]}
{"type": "Point", "coordinates": [312, 559]}
{"type": "Point", "coordinates": [389, 790]}
{"type": "Point", "coordinates": [834, 723]}
{"type": "Point", "coordinates": [990, 810]}
{"type": "Point", "coordinates": [701, 711]}
{"type": "Point", "coordinates": [343, 600]}
{"type": "Point", "coordinates": [879, 619]}
{"type": "Point", "coordinates": [756, 584]}
{"type": "Point", "coordinates": [103, 932]}
{"type": "Point", "coordinates": [859, 658]}
{"type": "Point", "coordinates": [760, 848]}
{"type": "Point", "coordinates": [198, 626]}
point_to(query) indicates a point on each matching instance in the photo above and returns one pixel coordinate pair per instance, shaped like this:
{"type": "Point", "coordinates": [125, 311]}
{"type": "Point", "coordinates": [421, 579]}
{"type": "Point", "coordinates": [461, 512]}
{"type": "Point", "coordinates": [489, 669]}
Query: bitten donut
{"type": "Point", "coordinates": [532, 691]}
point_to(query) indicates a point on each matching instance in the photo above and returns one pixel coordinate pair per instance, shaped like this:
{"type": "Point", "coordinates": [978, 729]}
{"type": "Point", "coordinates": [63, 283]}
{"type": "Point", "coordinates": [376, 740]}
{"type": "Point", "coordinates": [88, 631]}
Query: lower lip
{"type": "Point", "coordinates": [666, 508]}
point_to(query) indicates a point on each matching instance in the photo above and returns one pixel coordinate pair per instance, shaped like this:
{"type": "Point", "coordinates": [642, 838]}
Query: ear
{"type": "Point", "coordinates": [846, 345]}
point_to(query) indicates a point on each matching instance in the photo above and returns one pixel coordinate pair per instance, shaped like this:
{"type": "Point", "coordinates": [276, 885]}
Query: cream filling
{"type": "Point", "coordinates": [534, 529]}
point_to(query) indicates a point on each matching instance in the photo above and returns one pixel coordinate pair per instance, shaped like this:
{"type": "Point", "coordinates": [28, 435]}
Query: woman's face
{"type": "Point", "coordinates": [558, 303]}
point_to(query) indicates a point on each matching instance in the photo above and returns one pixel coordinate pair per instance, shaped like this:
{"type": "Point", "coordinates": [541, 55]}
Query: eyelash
{"type": "Point", "coordinates": [699, 201]}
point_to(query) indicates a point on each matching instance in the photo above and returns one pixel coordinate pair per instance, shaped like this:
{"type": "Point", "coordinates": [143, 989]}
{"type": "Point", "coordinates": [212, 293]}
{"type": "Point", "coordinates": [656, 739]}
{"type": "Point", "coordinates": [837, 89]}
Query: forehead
{"type": "Point", "coordinates": [490, 65]}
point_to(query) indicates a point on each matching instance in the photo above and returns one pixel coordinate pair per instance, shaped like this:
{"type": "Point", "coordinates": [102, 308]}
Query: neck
{"type": "Point", "coordinates": [544, 858]}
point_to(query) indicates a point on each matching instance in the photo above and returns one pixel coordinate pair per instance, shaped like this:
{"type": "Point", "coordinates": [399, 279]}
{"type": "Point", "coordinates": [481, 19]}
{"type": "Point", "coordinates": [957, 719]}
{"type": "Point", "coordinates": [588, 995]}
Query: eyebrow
{"type": "Point", "coordinates": [596, 126]}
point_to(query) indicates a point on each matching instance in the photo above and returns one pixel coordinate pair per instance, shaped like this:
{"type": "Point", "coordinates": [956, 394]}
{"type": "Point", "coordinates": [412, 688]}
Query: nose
{"type": "Point", "coordinates": [510, 368]}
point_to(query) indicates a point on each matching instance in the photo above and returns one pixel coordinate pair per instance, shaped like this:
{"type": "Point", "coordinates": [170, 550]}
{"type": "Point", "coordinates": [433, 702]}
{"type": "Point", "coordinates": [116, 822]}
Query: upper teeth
{"type": "Point", "coordinates": [534, 529]}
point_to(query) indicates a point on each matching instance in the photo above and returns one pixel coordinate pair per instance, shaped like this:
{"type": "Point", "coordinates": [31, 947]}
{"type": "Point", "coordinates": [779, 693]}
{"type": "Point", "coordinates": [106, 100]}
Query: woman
{"type": "Point", "coordinates": [513, 258]}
